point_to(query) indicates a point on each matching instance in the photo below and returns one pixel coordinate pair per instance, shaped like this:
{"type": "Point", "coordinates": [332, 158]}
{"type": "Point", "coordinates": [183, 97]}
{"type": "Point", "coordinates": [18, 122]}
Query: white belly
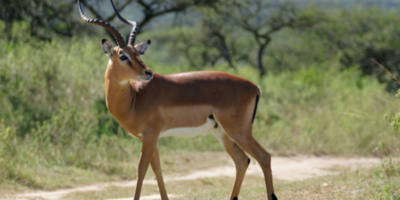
{"type": "Point", "coordinates": [190, 131]}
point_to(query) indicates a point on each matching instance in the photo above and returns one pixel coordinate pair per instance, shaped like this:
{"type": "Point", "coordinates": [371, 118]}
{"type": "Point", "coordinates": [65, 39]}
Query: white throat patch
{"type": "Point", "coordinates": [124, 82]}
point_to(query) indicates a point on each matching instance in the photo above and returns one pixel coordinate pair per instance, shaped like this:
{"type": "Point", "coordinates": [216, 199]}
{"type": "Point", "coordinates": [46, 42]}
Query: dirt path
{"type": "Point", "coordinates": [284, 168]}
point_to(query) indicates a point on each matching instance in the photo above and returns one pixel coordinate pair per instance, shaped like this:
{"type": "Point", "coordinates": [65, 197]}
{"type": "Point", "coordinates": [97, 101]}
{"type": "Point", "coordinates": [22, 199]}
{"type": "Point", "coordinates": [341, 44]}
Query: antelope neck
{"type": "Point", "coordinates": [120, 98]}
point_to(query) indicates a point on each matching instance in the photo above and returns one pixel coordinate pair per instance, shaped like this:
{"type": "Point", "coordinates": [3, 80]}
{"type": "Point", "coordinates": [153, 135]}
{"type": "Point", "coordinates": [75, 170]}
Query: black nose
{"type": "Point", "coordinates": [148, 73]}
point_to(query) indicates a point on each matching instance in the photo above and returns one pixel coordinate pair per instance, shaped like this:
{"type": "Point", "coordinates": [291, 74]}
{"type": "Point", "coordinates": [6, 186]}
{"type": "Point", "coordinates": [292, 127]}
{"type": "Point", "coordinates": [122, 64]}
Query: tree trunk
{"type": "Point", "coordinates": [8, 28]}
{"type": "Point", "coordinates": [223, 48]}
{"type": "Point", "coordinates": [260, 55]}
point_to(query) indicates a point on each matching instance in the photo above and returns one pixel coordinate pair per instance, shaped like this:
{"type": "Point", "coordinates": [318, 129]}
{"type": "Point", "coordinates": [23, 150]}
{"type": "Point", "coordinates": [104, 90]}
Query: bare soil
{"type": "Point", "coordinates": [295, 168]}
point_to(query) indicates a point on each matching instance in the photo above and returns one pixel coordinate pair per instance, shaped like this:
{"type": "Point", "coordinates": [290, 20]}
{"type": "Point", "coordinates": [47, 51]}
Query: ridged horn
{"type": "Point", "coordinates": [118, 37]}
{"type": "Point", "coordinates": [135, 26]}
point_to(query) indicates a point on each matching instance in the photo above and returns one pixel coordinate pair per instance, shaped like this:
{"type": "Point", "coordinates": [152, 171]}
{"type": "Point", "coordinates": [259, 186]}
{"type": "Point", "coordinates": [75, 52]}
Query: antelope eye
{"type": "Point", "coordinates": [123, 57]}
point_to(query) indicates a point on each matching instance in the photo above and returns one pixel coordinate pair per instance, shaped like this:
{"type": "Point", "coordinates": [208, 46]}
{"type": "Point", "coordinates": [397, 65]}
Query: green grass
{"type": "Point", "coordinates": [53, 116]}
{"type": "Point", "coordinates": [373, 183]}
{"type": "Point", "coordinates": [56, 132]}
{"type": "Point", "coordinates": [324, 111]}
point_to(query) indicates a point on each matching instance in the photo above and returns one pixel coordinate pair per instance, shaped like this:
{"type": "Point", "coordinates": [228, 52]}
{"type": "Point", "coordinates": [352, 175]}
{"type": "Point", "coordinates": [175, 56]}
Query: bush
{"type": "Point", "coordinates": [53, 113]}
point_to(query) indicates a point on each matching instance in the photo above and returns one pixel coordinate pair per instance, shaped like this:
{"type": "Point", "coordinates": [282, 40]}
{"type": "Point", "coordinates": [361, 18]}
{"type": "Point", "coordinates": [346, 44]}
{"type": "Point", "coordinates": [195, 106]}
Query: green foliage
{"type": "Point", "coordinates": [362, 33]}
{"type": "Point", "coordinates": [337, 112]}
{"type": "Point", "coordinates": [43, 18]}
{"type": "Point", "coordinates": [389, 168]}
{"type": "Point", "coordinates": [7, 149]}
{"type": "Point", "coordinates": [53, 113]}
{"type": "Point", "coordinates": [57, 117]}
{"type": "Point", "coordinates": [386, 186]}
{"type": "Point", "coordinates": [395, 120]}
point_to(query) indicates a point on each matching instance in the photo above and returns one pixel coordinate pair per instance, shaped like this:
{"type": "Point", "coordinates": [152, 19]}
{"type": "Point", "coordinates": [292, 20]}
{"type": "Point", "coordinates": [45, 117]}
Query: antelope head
{"type": "Point", "coordinates": [124, 59]}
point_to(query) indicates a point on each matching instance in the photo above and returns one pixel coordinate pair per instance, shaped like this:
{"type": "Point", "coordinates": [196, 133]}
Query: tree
{"type": "Point", "coordinates": [360, 34]}
{"type": "Point", "coordinates": [43, 16]}
{"type": "Point", "coordinates": [207, 42]}
{"type": "Point", "coordinates": [48, 18]}
{"type": "Point", "coordinates": [262, 19]}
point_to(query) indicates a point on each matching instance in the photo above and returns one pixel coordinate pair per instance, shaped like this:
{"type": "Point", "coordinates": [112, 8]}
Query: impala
{"type": "Point", "coordinates": [150, 105]}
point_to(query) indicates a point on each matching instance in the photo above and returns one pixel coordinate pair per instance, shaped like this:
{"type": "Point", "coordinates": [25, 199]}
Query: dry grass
{"type": "Point", "coordinates": [360, 184]}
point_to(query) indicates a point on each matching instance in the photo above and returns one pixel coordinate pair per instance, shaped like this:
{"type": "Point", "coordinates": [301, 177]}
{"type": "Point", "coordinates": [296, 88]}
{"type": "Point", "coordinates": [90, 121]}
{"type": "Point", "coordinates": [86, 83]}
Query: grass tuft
{"type": "Point", "coordinates": [53, 114]}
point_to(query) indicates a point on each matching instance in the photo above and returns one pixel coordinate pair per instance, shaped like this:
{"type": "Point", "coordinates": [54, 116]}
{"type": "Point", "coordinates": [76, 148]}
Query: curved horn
{"type": "Point", "coordinates": [135, 27]}
{"type": "Point", "coordinates": [118, 37]}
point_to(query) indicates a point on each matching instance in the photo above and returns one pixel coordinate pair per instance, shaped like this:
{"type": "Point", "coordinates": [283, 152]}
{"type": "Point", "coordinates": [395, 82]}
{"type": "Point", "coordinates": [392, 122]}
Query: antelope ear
{"type": "Point", "coordinates": [142, 47]}
{"type": "Point", "coordinates": [108, 48]}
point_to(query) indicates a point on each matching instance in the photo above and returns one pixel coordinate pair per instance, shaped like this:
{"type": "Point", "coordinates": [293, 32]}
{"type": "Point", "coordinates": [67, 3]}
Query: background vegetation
{"type": "Point", "coordinates": [321, 93]}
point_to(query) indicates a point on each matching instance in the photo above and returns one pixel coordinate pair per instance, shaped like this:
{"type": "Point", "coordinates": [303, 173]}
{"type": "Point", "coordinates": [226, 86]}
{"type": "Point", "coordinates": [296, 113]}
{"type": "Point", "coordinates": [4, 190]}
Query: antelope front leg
{"type": "Point", "coordinates": [155, 164]}
{"type": "Point", "coordinates": [149, 143]}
